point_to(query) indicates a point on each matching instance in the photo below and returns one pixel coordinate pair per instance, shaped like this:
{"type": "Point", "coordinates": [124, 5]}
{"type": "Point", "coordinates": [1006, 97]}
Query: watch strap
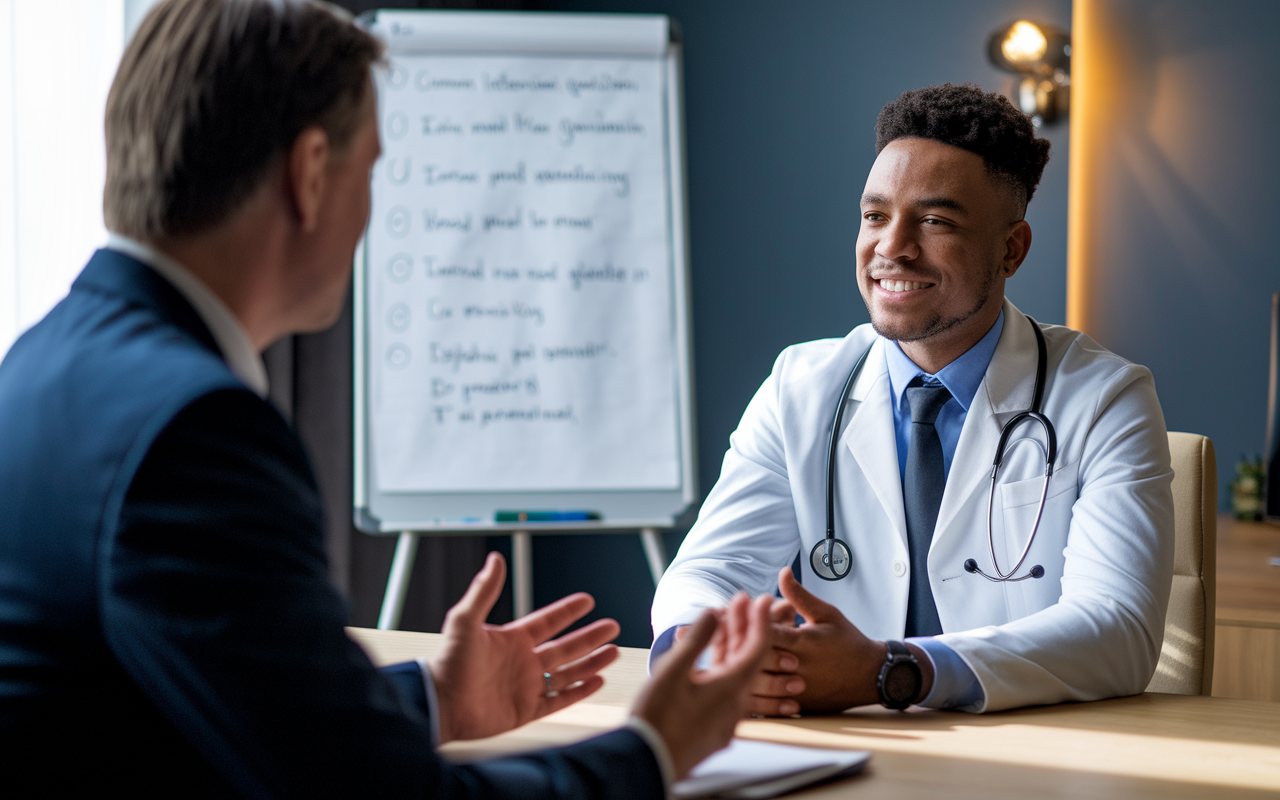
{"type": "Point", "coordinates": [898, 658]}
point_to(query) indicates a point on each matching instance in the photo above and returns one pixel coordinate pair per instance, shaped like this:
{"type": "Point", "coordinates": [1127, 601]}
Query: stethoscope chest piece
{"type": "Point", "coordinates": [831, 559]}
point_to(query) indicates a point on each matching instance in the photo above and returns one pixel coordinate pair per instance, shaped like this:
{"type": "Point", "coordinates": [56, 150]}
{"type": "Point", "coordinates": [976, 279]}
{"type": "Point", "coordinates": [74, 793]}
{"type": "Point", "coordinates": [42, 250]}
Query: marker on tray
{"type": "Point", "coordinates": [545, 516]}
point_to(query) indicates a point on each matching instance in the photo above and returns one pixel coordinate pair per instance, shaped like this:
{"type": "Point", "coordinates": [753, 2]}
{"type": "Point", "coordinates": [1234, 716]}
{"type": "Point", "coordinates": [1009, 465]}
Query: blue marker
{"type": "Point", "coordinates": [545, 516]}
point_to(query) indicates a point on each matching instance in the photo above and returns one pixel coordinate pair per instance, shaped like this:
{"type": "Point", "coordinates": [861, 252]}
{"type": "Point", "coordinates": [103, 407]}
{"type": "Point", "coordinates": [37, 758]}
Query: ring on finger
{"type": "Point", "coordinates": [546, 680]}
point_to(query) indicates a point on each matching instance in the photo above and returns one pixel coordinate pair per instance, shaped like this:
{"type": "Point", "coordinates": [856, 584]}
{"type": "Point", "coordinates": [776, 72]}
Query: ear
{"type": "Point", "coordinates": [1016, 246]}
{"type": "Point", "coordinates": [307, 166]}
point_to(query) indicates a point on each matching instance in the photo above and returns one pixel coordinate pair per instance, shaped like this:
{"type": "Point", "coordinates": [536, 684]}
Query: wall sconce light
{"type": "Point", "coordinates": [1040, 55]}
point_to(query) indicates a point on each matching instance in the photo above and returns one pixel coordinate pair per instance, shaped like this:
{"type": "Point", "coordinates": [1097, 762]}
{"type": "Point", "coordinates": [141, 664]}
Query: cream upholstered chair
{"type": "Point", "coordinates": [1186, 659]}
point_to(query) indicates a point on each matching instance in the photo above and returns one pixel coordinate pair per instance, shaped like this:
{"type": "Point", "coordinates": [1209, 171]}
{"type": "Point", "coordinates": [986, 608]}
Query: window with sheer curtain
{"type": "Point", "coordinates": [57, 60]}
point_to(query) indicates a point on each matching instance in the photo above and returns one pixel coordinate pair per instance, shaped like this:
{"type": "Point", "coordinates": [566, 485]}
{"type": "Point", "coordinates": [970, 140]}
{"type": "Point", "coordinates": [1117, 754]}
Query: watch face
{"type": "Point", "coordinates": [902, 682]}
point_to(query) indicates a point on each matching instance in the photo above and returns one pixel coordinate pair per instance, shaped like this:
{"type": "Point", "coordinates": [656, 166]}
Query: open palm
{"type": "Point", "coordinates": [489, 678]}
{"type": "Point", "coordinates": [695, 710]}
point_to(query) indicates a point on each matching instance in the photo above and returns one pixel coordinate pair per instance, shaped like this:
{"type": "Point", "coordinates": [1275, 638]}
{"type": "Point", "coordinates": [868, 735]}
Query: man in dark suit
{"type": "Point", "coordinates": [166, 624]}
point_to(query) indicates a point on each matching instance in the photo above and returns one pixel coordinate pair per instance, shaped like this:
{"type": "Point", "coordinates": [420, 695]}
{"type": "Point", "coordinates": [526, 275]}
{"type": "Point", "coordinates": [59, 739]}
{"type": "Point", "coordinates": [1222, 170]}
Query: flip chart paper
{"type": "Point", "coordinates": [520, 328]}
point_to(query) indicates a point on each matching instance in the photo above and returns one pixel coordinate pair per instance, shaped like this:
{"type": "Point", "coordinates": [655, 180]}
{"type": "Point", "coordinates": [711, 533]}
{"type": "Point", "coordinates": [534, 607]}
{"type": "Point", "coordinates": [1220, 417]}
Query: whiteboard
{"type": "Point", "coordinates": [521, 293]}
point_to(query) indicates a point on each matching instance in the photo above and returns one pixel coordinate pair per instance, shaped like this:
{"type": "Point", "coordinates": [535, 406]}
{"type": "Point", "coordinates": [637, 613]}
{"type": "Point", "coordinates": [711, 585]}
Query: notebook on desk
{"type": "Point", "coordinates": [751, 770]}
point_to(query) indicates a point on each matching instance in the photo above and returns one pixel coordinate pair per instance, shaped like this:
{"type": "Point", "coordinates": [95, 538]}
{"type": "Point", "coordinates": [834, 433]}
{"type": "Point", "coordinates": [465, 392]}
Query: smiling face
{"type": "Point", "coordinates": [939, 236]}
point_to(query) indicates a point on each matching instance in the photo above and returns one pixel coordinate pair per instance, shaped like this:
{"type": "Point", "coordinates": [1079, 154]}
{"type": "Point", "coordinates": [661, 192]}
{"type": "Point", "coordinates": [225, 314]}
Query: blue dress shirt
{"type": "Point", "coordinates": [954, 684]}
{"type": "Point", "coordinates": [962, 378]}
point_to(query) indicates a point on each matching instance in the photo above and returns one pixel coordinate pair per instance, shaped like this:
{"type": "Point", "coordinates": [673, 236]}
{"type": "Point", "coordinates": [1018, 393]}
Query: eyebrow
{"type": "Point", "coordinates": [925, 202]}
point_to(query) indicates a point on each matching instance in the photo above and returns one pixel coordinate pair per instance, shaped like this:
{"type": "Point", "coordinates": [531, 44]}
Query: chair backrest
{"type": "Point", "coordinates": [1186, 659]}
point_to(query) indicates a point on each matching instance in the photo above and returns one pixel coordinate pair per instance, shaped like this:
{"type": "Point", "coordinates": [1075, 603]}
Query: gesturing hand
{"type": "Point", "coordinates": [489, 678]}
{"type": "Point", "coordinates": [775, 684]}
{"type": "Point", "coordinates": [838, 663]}
{"type": "Point", "coordinates": [695, 711]}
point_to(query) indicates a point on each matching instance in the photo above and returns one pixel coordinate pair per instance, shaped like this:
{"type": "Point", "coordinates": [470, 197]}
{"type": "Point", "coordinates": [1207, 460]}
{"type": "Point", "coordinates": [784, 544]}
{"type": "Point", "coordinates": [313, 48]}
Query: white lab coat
{"type": "Point", "coordinates": [1091, 628]}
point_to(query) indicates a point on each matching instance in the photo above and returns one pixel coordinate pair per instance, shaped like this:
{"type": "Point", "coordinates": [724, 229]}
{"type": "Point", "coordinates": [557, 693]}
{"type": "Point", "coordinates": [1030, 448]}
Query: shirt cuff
{"type": "Point", "coordinates": [661, 645]}
{"type": "Point", "coordinates": [954, 684]}
{"type": "Point", "coordinates": [433, 702]}
{"type": "Point", "coordinates": [667, 639]}
{"type": "Point", "coordinates": [652, 738]}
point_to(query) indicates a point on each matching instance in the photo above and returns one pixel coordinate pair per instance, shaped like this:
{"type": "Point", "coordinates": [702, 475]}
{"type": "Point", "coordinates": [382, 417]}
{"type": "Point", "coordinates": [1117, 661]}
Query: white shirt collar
{"type": "Point", "coordinates": [244, 361]}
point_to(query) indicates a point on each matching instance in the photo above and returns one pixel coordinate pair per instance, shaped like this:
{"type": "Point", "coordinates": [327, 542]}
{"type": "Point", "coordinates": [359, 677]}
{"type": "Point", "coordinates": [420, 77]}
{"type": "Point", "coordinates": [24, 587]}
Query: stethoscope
{"type": "Point", "coordinates": [831, 559]}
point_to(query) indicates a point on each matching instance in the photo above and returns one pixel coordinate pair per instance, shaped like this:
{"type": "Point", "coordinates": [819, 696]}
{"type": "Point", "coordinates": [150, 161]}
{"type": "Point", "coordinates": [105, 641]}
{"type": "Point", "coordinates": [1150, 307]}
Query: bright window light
{"type": "Point", "coordinates": [57, 60]}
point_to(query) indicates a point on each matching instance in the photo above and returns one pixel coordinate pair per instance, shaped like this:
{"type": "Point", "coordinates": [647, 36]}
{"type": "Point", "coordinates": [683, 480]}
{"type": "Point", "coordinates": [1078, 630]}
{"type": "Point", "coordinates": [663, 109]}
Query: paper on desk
{"type": "Point", "coordinates": [751, 770]}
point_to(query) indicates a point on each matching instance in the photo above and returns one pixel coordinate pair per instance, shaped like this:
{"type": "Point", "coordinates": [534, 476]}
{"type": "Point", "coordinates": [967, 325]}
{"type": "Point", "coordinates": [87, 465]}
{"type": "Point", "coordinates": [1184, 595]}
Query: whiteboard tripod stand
{"type": "Point", "coordinates": [655, 553]}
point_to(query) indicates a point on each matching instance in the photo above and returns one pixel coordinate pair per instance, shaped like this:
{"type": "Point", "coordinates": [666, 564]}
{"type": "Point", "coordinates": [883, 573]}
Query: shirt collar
{"type": "Point", "coordinates": [962, 377]}
{"type": "Point", "coordinates": [243, 360]}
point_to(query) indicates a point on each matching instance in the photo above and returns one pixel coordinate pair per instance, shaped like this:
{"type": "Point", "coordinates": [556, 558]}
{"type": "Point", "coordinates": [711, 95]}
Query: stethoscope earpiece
{"type": "Point", "coordinates": [971, 566]}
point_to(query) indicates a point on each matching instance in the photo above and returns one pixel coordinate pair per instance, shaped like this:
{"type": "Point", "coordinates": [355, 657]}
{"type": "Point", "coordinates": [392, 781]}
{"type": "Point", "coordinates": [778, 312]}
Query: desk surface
{"type": "Point", "coordinates": [1248, 584]}
{"type": "Point", "coordinates": [1152, 745]}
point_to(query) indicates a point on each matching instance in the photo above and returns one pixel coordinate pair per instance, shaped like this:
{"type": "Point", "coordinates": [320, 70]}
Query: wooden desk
{"type": "Point", "coordinates": [1154, 745]}
{"type": "Point", "coordinates": [1247, 651]}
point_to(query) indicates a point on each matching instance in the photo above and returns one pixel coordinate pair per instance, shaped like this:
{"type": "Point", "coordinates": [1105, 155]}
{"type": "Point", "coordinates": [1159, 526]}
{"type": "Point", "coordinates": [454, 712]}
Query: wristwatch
{"type": "Point", "coordinates": [900, 680]}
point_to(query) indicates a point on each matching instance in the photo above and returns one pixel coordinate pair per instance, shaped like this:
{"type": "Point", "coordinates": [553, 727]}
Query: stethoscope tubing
{"type": "Point", "coordinates": [991, 539]}
{"type": "Point", "coordinates": [1031, 414]}
{"type": "Point", "coordinates": [831, 443]}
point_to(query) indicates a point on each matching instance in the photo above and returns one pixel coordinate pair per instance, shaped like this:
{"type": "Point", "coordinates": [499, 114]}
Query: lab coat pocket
{"type": "Point", "coordinates": [1021, 493]}
{"type": "Point", "coordinates": [1020, 501]}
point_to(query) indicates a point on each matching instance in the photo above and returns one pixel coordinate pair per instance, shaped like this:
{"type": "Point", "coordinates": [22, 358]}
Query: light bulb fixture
{"type": "Point", "coordinates": [1024, 43]}
{"type": "Point", "coordinates": [1040, 55]}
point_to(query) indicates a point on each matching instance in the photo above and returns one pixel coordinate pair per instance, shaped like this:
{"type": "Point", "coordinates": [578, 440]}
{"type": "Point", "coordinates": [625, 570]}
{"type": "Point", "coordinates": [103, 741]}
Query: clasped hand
{"type": "Point", "coordinates": [823, 665]}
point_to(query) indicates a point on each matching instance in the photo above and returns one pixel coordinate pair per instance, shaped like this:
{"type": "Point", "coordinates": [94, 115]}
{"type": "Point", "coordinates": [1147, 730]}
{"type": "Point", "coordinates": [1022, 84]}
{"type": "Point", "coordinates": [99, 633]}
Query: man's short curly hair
{"type": "Point", "coordinates": [969, 118]}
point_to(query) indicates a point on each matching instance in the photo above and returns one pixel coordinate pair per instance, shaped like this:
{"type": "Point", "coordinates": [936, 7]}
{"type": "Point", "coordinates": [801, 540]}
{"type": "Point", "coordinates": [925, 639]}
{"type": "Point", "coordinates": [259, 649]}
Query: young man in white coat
{"type": "Point", "coordinates": [924, 548]}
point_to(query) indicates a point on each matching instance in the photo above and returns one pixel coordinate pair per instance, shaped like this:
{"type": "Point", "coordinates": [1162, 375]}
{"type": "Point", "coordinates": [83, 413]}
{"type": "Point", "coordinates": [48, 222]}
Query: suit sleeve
{"type": "Point", "coordinates": [215, 599]}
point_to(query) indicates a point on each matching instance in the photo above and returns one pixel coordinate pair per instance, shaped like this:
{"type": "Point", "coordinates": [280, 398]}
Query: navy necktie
{"type": "Point", "coordinates": [922, 494]}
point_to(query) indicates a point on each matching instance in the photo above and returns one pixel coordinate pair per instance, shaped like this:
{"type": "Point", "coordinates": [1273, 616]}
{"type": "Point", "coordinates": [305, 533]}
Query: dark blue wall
{"type": "Point", "coordinates": [1183, 209]}
{"type": "Point", "coordinates": [780, 104]}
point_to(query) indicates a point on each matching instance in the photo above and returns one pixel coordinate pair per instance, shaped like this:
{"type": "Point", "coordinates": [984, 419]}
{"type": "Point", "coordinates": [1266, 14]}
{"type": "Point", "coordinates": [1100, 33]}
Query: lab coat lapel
{"type": "Point", "coordinates": [869, 436]}
{"type": "Point", "coordinates": [1006, 389]}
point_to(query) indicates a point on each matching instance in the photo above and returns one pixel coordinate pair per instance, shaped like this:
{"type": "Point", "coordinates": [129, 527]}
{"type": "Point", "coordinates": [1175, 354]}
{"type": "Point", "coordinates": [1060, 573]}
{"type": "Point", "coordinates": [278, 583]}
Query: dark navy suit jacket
{"type": "Point", "coordinates": [167, 627]}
